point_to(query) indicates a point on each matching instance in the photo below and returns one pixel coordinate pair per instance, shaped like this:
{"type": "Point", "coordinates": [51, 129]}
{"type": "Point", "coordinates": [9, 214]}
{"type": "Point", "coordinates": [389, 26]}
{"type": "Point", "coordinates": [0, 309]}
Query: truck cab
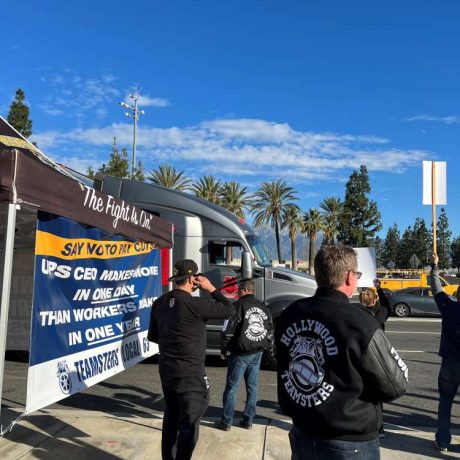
{"type": "Point", "coordinates": [223, 245]}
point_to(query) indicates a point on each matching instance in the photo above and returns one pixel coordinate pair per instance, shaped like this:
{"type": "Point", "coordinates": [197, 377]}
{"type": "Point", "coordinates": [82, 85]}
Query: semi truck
{"type": "Point", "coordinates": [223, 245]}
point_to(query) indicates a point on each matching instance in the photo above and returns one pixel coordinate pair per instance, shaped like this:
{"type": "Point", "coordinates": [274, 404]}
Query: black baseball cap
{"type": "Point", "coordinates": [183, 269]}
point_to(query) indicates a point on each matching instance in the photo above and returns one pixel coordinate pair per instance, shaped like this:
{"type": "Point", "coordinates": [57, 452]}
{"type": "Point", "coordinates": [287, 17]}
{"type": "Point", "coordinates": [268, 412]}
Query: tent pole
{"type": "Point", "coordinates": [6, 288]}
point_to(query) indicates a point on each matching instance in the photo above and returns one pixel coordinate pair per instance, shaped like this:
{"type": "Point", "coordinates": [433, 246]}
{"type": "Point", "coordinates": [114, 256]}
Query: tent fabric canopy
{"type": "Point", "coordinates": [29, 178]}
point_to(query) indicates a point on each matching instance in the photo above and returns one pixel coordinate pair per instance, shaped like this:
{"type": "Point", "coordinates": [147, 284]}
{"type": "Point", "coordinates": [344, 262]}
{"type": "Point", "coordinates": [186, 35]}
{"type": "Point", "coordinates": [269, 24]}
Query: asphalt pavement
{"type": "Point", "coordinates": [121, 417]}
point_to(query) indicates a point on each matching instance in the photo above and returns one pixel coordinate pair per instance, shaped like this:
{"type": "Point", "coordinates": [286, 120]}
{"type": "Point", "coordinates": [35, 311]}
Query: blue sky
{"type": "Point", "coordinates": [248, 90]}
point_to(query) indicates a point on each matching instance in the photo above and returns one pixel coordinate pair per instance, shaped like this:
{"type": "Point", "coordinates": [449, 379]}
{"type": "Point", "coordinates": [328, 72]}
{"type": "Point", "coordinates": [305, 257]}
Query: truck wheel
{"type": "Point", "coordinates": [401, 310]}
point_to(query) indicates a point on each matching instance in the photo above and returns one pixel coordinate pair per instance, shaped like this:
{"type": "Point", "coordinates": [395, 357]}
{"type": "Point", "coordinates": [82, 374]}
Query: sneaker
{"type": "Point", "coordinates": [222, 426]}
{"type": "Point", "coordinates": [246, 425]}
{"type": "Point", "coordinates": [439, 447]}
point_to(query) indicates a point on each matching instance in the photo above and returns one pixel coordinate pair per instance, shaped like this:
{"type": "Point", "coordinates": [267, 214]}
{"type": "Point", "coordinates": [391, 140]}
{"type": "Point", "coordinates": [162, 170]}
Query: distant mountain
{"type": "Point", "coordinates": [267, 236]}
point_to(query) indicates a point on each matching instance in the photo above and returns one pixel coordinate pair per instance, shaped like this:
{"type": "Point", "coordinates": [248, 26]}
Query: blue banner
{"type": "Point", "coordinates": [92, 299]}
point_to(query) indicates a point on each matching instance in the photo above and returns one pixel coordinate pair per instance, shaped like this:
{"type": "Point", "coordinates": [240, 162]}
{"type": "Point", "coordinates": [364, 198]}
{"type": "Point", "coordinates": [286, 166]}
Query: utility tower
{"type": "Point", "coordinates": [133, 112]}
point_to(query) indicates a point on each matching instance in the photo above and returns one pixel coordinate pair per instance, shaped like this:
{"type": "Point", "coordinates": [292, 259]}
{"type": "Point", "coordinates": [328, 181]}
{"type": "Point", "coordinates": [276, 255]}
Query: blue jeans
{"type": "Point", "coordinates": [239, 366]}
{"type": "Point", "coordinates": [305, 448]}
{"type": "Point", "coordinates": [448, 381]}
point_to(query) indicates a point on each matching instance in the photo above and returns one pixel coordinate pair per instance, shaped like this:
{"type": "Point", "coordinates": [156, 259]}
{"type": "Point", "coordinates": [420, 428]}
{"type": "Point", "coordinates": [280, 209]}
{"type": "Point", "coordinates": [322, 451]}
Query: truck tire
{"type": "Point", "coordinates": [401, 310]}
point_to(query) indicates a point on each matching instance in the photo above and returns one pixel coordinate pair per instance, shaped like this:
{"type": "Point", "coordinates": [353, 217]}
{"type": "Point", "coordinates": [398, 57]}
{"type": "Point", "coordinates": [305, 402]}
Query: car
{"type": "Point", "coordinates": [413, 301]}
{"type": "Point", "coordinates": [387, 292]}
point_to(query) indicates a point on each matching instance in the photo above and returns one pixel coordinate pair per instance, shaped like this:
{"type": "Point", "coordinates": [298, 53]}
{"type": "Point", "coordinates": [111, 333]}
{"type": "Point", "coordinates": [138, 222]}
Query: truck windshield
{"type": "Point", "coordinates": [259, 251]}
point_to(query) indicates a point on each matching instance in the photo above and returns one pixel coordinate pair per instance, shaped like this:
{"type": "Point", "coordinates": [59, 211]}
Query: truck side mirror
{"type": "Point", "coordinates": [246, 265]}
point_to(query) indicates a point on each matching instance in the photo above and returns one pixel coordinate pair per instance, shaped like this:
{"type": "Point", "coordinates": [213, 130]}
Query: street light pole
{"type": "Point", "coordinates": [134, 113]}
{"type": "Point", "coordinates": [135, 118]}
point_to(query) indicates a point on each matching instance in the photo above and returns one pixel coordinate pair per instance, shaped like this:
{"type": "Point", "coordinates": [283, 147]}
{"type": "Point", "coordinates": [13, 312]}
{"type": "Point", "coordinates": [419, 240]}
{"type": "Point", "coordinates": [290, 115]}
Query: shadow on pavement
{"type": "Point", "coordinates": [43, 432]}
{"type": "Point", "coordinates": [411, 444]}
{"type": "Point", "coordinates": [131, 400]}
{"type": "Point", "coordinates": [273, 405]}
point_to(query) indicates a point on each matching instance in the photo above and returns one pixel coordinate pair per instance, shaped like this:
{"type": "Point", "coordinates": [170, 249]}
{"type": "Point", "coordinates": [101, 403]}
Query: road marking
{"type": "Point", "coordinates": [415, 320]}
{"type": "Point", "coordinates": [413, 332]}
{"type": "Point", "coordinates": [401, 426]}
{"type": "Point", "coordinates": [412, 351]}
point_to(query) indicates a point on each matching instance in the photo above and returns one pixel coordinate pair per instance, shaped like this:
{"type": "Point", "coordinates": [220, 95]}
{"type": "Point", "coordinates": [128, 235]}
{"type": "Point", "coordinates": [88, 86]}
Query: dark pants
{"type": "Point", "coordinates": [305, 448]}
{"type": "Point", "coordinates": [448, 381]}
{"type": "Point", "coordinates": [380, 416]}
{"type": "Point", "coordinates": [186, 400]}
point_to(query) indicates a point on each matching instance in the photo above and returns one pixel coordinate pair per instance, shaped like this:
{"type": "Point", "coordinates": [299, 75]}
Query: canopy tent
{"type": "Point", "coordinates": [29, 179]}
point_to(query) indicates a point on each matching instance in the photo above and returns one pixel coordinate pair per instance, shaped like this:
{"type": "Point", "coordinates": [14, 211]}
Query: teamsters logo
{"type": "Point", "coordinates": [255, 330]}
{"type": "Point", "coordinates": [308, 342]}
{"type": "Point", "coordinates": [307, 358]}
{"type": "Point", "coordinates": [63, 375]}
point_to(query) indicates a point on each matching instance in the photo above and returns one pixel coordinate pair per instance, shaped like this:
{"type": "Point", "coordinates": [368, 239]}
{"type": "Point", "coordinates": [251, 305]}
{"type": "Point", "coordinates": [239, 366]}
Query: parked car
{"type": "Point", "coordinates": [413, 301]}
{"type": "Point", "coordinates": [387, 292]}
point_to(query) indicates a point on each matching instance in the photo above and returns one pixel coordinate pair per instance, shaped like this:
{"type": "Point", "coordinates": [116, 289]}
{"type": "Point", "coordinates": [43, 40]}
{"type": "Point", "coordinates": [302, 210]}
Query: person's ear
{"type": "Point", "coordinates": [348, 278]}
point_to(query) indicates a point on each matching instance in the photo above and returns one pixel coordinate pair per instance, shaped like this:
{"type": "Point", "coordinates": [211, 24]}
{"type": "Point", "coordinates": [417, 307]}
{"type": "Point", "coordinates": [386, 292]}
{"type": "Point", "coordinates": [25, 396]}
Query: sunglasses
{"type": "Point", "coordinates": [357, 274]}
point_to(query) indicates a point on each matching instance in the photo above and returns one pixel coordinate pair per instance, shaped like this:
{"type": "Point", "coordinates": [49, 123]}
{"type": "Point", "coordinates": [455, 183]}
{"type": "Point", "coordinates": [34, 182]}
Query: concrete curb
{"type": "Point", "coordinates": [76, 434]}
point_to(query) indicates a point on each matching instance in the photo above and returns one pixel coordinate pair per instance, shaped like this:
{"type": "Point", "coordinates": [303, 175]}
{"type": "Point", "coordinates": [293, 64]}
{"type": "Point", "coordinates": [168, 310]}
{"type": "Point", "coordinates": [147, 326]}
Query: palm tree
{"type": "Point", "coordinates": [270, 203]}
{"type": "Point", "coordinates": [168, 176]}
{"type": "Point", "coordinates": [332, 209]}
{"type": "Point", "coordinates": [208, 188]}
{"type": "Point", "coordinates": [312, 224]}
{"type": "Point", "coordinates": [234, 198]}
{"type": "Point", "coordinates": [292, 220]}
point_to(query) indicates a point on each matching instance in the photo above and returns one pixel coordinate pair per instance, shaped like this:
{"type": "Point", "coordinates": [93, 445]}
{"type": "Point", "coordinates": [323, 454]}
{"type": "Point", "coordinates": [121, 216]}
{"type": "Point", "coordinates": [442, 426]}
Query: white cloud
{"type": "Point", "coordinates": [76, 97]}
{"type": "Point", "coordinates": [78, 163]}
{"type": "Point", "coordinates": [448, 120]}
{"type": "Point", "coordinates": [147, 101]}
{"type": "Point", "coordinates": [249, 129]}
{"type": "Point", "coordinates": [56, 80]}
{"type": "Point", "coordinates": [47, 139]}
{"type": "Point", "coordinates": [85, 99]}
{"type": "Point", "coordinates": [242, 148]}
{"type": "Point", "coordinates": [51, 110]}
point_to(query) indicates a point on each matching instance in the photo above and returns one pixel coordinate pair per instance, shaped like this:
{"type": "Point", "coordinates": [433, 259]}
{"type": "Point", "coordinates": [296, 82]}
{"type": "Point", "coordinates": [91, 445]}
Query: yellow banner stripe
{"type": "Point", "coordinates": [47, 244]}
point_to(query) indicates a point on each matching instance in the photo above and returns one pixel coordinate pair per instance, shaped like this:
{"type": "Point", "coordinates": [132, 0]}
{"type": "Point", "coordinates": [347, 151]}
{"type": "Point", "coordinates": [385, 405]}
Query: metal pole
{"type": "Point", "coordinates": [433, 202]}
{"type": "Point", "coordinates": [134, 137]}
{"type": "Point", "coordinates": [6, 288]}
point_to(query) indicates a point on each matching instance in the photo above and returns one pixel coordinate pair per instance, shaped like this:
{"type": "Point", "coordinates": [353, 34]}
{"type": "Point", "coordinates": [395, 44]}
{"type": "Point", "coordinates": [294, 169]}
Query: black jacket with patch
{"type": "Point", "coordinates": [335, 366]}
{"type": "Point", "coordinates": [250, 330]}
{"type": "Point", "coordinates": [178, 325]}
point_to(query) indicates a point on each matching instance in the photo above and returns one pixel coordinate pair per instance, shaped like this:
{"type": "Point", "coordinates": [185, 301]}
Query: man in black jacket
{"type": "Point", "coordinates": [449, 350]}
{"type": "Point", "coordinates": [178, 325]}
{"type": "Point", "coordinates": [335, 366]}
{"type": "Point", "coordinates": [243, 339]}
